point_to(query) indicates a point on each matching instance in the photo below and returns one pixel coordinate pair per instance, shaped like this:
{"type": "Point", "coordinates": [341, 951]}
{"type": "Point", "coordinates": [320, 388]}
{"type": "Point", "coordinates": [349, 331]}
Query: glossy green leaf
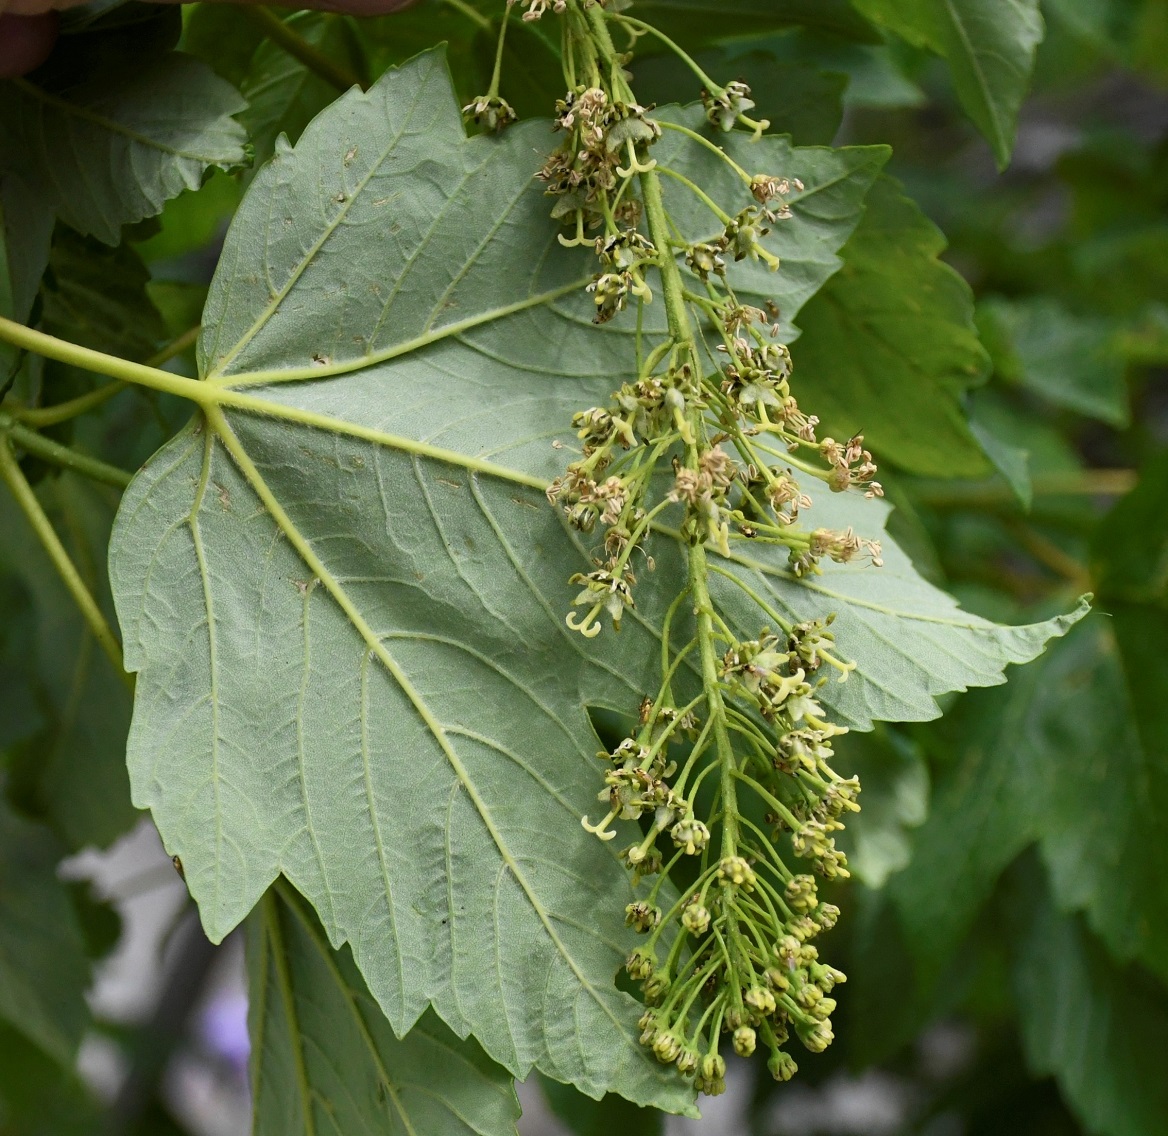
{"type": "Point", "coordinates": [324, 1057]}
{"type": "Point", "coordinates": [343, 590]}
{"type": "Point", "coordinates": [110, 150]}
{"type": "Point", "coordinates": [889, 345]}
{"type": "Point", "coordinates": [1070, 360]}
{"type": "Point", "coordinates": [1099, 1029]}
{"type": "Point", "coordinates": [43, 968]}
{"type": "Point", "coordinates": [989, 46]}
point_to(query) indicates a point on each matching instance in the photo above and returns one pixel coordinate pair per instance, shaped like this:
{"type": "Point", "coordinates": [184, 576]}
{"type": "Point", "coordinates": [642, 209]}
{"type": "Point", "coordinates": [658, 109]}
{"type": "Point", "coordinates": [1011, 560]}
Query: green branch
{"type": "Point", "coordinates": [288, 39]}
{"type": "Point", "coordinates": [50, 451]}
{"type": "Point", "coordinates": [11, 475]}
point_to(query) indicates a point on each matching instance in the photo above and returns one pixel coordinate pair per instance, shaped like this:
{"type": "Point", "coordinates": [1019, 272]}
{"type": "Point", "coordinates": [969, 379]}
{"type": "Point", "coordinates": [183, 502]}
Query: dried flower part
{"type": "Point", "coordinates": [491, 112]}
{"type": "Point", "coordinates": [725, 107]}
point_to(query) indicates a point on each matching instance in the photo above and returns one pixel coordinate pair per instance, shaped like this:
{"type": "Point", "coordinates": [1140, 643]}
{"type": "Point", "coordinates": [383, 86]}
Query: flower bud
{"type": "Point", "coordinates": [690, 834]}
{"type": "Point", "coordinates": [649, 1029]}
{"type": "Point", "coordinates": [744, 1041]}
{"type": "Point", "coordinates": [666, 1048]}
{"type": "Point", "coordinates": [782, 1066]}
{"type": "Point", "coordinates": [642, 917]}
{"type": "Point", "coordinates": [696, 919]}
{"type": "Point", "coordinates": [712, 1067]}
{"type": "Point", "coordinates": [760, 999]}
{"type": "Point", "coordinates": [656, 988]}
{"type": "Point", "coordinates": [639, 964]}
{"type": "Point", "coordinates": [817, 1037]}
{"type": "Point", "coordinates": [826, 977]}
{"type": "Point", "coordinates": [687, 1062]}
{"type": "Point", "coordinates": [776, 979]}
{"type": "Point", "coordinates": [735, 870]}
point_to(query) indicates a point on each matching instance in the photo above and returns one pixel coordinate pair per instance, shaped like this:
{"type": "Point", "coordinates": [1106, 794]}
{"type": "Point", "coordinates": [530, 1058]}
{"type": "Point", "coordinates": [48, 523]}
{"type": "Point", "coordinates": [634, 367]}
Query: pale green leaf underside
{"type": "Point", "coordinates": [324, 1059]}
{"type": "Point", "coordinates": [989, 46]}
{"type": "Point", "coordinates": [345, 597]}
{"type": "Point", "coordinates": [104, 154]}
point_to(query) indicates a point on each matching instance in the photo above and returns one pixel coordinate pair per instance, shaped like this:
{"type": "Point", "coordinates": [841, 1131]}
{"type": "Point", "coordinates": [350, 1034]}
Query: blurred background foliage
{"type": "Point", "coordinates": [1006, 936]}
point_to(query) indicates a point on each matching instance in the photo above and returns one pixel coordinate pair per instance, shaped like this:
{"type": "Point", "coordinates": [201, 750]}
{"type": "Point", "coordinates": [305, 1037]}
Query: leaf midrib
{"type": "Point", "coordinates": [1000, 138]}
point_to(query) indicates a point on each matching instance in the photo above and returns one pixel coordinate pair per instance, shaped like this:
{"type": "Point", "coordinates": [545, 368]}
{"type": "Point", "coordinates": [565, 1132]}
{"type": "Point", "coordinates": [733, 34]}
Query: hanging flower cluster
{"type": "Point", "coordinates": [705, 438]}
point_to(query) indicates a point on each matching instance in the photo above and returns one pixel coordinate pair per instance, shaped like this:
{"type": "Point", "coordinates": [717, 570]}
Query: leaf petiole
{"type": "Point", "coordinates": [63, 456]}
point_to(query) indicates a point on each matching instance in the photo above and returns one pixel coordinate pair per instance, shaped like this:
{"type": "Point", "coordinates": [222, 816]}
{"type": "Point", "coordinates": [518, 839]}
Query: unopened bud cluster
{"type": "Point", "coordinates": [730, 960]}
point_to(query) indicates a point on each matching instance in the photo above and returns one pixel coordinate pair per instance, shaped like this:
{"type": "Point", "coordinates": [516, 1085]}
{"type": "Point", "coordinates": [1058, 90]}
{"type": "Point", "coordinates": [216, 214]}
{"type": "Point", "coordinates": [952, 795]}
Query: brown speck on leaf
{"type": "Point", "coordinates": [321, 360]}
{"type": "Point", "coordinates": [350, 154]}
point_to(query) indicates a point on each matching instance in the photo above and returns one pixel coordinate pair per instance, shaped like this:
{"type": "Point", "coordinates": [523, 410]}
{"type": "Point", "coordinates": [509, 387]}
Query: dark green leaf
{"type": "Point", "coordinates": [995, 428]}
{"type": "Point", "coordinates": [983, 812]}
{"type": "Point", "coordinates": [1100, 1030]}
{"type": "Point", "coordinates": [224, 36]}
{"type": "Point", "coordinates": [797, 99]}
{"type": "Point", "coordinates": [989, 46]}
{"type": "Point", "coordinates": [889, 345]}
{"type": "Point", "coordinates": [282, 94]}
{"type": "Point", "coordinates": [895, 799]}
{"type": "Point", "coordinates": [1068, 359]}
{"type": "Point", "coordinates": [1055, 757]}
{"type": "Point", "coordinates": [40, 1096]}
{"type": "Point", "coordinates": [609, 1116]}
{"type": "Point", "coordinates": [26, 227]}
{"type": "Point", "coordinates": [71, 770]}
{"type": "Point", "coordinates": [695, 22]}
{"type": "Point", "coordinates": [113, 149]}
{"type": "Point", "coordinates": [325, 1058]}
{"type": "Point", "coordinates": [1131, 546]}
{"type": "Point", "coordinates": [874, 76]}
{"type": "Point", "coordinates": [96, 296]}
{"type": "Point", "coordinates": [43, 968]}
